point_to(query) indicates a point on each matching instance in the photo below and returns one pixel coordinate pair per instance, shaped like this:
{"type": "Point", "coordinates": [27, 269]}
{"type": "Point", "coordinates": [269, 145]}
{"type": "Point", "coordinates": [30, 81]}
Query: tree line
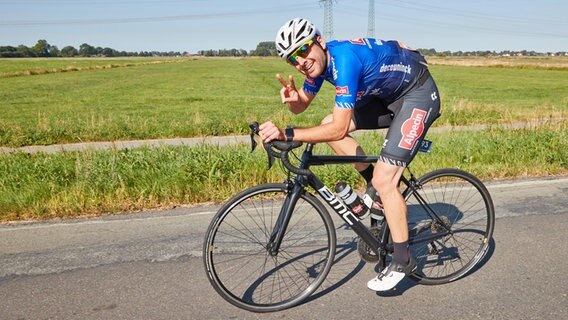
{"type": "Point", "coordinates": [263, 49]}
{"type": "Point", "coordinates": [43, 49]}
{"type": "Point", "coordinates": [267, 48]}
{"type": "Point", "coordinates": [489, 53]}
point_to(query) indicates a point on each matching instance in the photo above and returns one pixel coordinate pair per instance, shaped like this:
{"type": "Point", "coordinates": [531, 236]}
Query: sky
{"type": "Point", "coordinates": [193, 25]}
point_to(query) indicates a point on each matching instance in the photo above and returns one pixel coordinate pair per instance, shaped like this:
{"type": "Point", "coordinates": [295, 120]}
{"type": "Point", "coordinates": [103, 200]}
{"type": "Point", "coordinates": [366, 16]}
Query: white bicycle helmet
{"type": "Point", "coordinates": [294, 34]}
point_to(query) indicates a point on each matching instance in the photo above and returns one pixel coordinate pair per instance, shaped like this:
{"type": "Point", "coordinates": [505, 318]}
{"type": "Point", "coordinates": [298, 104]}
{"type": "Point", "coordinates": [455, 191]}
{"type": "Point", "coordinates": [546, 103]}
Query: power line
{"type": "Point", "coordinates": [481, 16]}
{"type": "Point", "coordinates": [23, 23]}
{"type": "Point", "coordinates": [481, 24]}
{"type": "Point", "coordinates": [94, 2]}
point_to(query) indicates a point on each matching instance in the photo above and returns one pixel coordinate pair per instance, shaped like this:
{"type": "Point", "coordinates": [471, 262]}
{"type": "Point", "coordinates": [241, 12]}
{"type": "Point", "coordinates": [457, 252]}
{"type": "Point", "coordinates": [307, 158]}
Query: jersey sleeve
{"type": "Point", "coordinates": [347, 70]}
{"type": "Point", "coordinates": [313, 85]}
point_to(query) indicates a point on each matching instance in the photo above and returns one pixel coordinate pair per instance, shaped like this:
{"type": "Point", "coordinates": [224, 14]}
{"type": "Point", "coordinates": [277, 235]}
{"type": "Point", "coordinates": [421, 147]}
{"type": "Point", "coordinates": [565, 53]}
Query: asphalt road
{"type": "Point", "coordinates": [148, 266]}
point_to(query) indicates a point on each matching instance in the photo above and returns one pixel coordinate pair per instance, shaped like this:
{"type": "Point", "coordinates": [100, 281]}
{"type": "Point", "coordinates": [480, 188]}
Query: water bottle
{"type": "Point", "coordinates": [352, 200]}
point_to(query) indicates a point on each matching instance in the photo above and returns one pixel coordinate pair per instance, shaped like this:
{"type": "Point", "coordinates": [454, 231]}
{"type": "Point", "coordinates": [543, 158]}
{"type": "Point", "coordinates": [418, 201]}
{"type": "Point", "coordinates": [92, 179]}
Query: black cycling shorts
{"type": "Point", "coordinates": [408, 120]}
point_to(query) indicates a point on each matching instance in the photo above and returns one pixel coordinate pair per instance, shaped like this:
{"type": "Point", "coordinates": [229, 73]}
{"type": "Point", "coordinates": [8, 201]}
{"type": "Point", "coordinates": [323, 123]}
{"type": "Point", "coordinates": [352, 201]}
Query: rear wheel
{"type": "Point", "coordinates": [240, 267]}
{"type": "Point", "coordinates": [451, 220]}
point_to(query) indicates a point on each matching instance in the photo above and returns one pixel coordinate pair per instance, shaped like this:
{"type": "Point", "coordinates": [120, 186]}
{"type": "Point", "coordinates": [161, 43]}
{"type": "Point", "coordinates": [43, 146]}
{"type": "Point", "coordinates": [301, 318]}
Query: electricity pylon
{"type": "Point", "coordinates": [327, 18]}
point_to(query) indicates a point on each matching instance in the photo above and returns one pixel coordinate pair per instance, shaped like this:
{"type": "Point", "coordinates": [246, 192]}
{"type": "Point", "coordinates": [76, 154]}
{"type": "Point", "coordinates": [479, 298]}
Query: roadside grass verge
{"type": "Point", "coordinates": [70, 184]}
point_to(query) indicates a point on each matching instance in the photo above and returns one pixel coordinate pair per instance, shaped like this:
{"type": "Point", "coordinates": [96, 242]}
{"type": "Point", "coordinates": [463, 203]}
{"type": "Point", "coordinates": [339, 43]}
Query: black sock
{"type": "Point", "coordinates": [367, 174]}
{"type": "Point", "coordinates": [401, 254]}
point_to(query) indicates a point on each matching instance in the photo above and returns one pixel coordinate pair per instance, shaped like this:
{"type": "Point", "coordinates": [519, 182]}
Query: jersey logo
{"type": "Point", "coordinates": [341, 91]}
{"type": "Point", "coordinates": [358, 41]}
{"type": "Point", "coordinates": [412, 129]}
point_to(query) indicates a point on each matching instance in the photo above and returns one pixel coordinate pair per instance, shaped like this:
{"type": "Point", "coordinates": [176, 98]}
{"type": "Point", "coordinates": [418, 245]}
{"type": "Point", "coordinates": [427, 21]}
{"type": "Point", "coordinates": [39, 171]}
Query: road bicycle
{"type": "Point", "coordinates": [271, 246]}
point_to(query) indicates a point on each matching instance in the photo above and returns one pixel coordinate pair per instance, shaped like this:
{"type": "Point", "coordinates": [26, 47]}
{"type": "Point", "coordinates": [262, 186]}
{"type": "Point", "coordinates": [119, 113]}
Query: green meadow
{"type": "Point", "coordinates": [50, 101]}
{"type": "Point", "coordinates": [141, 99]}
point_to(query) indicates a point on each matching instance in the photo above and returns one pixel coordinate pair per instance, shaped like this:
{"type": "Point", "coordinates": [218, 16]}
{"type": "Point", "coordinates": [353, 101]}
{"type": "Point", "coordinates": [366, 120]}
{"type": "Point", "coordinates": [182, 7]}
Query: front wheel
{"type": "Point", "coordinates": [241, 268]}
{"type": "Point", "coordinates": [451, 220]}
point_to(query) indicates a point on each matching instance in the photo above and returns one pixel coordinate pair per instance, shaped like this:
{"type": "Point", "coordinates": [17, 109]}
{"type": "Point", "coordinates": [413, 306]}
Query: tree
{"type": "Point", "coordinates": [263, 49]}
{"type": "Point", "coordinates": [10, 52]}
{"type": "Point", "coordinates": [69, 51]}
{"type": "Point", "coordinates": [108, 52]}
{"type": "Point", "coordinates": [41, 48]}
{"type": "Point", "coordinates": [87, 50]}
{"type": "Point", "coordinates": [54, 51]}
{"type": "Point", "coordinates": [428, 52]}
{"type": "Point", "coordinates": [26, 52]}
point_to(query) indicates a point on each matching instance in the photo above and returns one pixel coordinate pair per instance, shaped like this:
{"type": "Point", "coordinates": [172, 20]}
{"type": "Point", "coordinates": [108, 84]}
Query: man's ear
{"type": "Point", "coordinates": [321, 42]}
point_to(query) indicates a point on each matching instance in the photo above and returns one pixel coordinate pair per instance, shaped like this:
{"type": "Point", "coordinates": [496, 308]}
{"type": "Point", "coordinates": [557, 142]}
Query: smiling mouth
{"type": "Point", "coordinates": [308, 66]}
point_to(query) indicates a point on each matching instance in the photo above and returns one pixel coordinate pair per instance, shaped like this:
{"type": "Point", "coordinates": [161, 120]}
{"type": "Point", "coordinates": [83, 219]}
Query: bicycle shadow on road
{"type": "Point", "coordinates": [342, 270]}
{"type": "Point", "coordinates": [408, 282]}
{"type": "Point", "coordinates": [445, 251]}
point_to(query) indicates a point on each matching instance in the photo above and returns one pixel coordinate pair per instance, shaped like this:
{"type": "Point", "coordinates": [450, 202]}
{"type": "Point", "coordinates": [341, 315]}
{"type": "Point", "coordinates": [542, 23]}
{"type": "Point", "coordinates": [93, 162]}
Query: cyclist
{"type": "Point", "coordinates": [378, 84]}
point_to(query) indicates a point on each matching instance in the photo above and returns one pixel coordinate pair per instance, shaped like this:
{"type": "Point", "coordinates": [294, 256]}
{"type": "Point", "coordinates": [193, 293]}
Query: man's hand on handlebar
{"type": "Point", "coordinates": [269, 131]}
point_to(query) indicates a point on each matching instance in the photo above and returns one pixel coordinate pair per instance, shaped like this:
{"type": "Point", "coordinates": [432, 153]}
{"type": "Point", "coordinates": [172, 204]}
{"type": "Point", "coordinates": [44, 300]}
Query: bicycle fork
{"type": "Point", "coordinates": [277, 235]}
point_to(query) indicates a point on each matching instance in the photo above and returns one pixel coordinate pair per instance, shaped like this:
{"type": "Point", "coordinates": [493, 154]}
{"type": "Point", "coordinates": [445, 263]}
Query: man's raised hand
{"type": "Point", "coordinates": [288, 93]}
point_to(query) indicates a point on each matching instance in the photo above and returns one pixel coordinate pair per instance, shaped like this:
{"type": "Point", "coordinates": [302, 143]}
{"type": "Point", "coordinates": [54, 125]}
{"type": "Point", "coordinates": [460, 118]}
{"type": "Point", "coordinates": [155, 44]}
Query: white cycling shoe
{"type": "Point", "coordinates": [391, 276]}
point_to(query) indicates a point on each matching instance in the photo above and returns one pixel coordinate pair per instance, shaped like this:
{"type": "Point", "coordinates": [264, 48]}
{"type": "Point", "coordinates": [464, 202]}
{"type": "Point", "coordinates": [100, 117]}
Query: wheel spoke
{"type": "Point", "coordinates": [241, 268]}
{"type": "Point", "coordinates": [453, 216]}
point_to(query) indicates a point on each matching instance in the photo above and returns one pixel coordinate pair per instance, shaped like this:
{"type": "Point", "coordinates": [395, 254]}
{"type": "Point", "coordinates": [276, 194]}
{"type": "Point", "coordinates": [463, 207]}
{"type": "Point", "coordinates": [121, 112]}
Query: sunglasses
{"type": "Point", "coordinates": [300, 52]}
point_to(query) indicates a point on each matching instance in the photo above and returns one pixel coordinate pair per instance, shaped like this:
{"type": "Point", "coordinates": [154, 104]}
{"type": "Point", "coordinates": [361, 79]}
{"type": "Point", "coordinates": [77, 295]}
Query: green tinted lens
{"type": "Point", "coordinates": [292, 59]}
{"type": "Point", "coordinates": [303, 49]}
{"type": "Point", "coordinates": [300, 52]}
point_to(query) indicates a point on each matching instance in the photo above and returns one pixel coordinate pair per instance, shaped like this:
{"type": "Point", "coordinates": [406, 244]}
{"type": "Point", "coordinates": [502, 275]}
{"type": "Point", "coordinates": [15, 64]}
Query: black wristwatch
{"type": "Point", "coordinates": [289, 133]}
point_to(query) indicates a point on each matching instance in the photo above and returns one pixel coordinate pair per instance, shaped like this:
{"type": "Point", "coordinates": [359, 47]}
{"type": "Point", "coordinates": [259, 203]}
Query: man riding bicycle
{"type": "Point", "coordinates": [378, 84]}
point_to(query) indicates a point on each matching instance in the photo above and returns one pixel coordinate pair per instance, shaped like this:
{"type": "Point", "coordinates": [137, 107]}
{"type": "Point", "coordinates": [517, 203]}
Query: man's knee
{"type": "Point", "coordinates": [386, 177]}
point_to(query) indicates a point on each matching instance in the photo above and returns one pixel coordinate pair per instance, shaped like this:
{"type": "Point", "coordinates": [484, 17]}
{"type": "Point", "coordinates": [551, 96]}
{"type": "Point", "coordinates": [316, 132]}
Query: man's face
{"type": "Point", "coordinates": [310, 59]}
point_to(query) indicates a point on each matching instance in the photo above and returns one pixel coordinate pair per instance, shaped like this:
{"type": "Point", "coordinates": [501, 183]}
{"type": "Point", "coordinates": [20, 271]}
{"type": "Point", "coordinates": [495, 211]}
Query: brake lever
{"type": "Point", "coordinates": [268, 148]}
{"type": "Point", "coordinates": [254, 130]}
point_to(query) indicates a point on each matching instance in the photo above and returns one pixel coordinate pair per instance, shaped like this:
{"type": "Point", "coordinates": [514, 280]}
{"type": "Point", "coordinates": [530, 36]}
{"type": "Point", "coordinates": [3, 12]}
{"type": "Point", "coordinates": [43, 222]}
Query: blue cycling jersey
{"type": "Point", "coordinates": [368, 67]}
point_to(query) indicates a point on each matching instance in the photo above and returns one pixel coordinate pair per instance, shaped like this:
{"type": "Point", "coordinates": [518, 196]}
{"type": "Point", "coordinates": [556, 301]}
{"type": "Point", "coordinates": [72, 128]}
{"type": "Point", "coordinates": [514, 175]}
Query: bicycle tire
{"type": "Point", "coordinates": [467, 218]}
{"type": "Point", "coordinates": [238, 264]}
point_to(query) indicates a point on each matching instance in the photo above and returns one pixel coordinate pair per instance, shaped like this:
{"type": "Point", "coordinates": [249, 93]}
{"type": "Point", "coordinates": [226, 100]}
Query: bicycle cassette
{"type": "Point", "coordinates": [365, 252]}
{"type": "Point", "coordinates": [442, 226]}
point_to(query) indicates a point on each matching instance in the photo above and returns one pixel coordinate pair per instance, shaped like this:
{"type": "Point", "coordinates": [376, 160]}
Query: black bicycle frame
{"type": "Point", "coordinates": [307, 160]}
{"type": "Point", "coordinates": [380, 247]}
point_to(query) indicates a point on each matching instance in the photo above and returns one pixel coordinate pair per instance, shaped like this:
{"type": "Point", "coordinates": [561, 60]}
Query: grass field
{"type": "Point", "coordinates": [520, 62]}
{"type": "Point", "coordinates": [65, 100]}
{"type": "Point", "coordinates": [192, 97]}
{"type": "Point", "coordinates": [37, 66]}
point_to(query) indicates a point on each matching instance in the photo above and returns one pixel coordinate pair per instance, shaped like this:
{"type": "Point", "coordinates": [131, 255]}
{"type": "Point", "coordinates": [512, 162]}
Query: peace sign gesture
{"type": "Point", "coordinates": [288, 93]}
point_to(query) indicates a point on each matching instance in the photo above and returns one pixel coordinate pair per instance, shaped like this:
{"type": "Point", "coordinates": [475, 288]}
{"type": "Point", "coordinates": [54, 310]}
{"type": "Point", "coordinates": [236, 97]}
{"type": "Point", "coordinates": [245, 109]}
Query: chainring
{"type": "Point", "coordinates": [365, 252]}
